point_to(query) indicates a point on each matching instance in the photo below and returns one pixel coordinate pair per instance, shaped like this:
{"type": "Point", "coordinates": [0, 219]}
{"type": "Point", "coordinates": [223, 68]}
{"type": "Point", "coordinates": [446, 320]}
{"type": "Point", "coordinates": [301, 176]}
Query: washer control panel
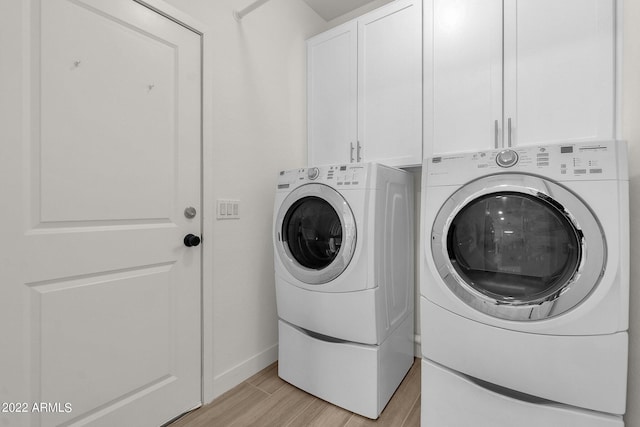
{"type": "Point", "coordinates": [340, 176]}
{"type": "Point", "coordinates": [574, 161]}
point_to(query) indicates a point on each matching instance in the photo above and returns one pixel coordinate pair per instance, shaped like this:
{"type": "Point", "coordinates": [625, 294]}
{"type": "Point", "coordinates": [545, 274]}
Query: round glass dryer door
{"type": "Point", "coordinates": [315, 234]}
{"type": "Point", "coordinates": [525, 250]}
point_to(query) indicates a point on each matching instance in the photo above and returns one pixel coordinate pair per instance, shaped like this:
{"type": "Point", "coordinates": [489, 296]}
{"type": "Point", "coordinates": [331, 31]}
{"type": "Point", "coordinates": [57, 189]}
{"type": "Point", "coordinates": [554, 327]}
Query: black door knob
{"type": "Point", "coordinates": [191, 240]}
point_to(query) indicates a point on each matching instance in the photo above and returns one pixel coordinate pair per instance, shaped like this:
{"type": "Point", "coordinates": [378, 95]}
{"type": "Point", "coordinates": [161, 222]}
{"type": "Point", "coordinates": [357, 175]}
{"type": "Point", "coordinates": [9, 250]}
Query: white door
{"type": "Point", "coordinates": [108, 295]}
{"type": "Point", "coordinates": [332, 64]}
{"type": "Point", "coordinates": [390, 84]}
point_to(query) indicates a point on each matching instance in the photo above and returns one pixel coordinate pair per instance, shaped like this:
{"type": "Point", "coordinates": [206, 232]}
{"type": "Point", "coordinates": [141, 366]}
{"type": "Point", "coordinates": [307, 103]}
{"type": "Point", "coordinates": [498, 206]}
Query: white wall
{"type": "Point", "coordinates": [631, 132]}
{"type": "Point", "coordinates": [259, 128]}
{"type": "Point", "coordinates": [373, 4]}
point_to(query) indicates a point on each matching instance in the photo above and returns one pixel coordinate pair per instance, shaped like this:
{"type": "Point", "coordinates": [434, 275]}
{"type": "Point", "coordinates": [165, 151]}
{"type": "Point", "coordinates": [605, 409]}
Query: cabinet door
{"type": "Point", "coordinates": [332, 97]}
{"type": "Point", "coordinates": [390, 84]}
{"type": "Point", "coordinates": [559, 70]}
{"type": "Point", "coordinates": [463, 74]}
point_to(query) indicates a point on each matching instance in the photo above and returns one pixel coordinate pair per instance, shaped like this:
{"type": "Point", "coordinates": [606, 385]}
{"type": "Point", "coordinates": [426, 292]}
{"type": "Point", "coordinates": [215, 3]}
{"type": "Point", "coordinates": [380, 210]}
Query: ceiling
{"type": "Point", "coordinates": [331, 9]}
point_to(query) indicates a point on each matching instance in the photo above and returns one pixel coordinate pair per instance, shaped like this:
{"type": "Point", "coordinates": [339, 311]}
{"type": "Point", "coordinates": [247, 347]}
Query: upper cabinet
{"type": "Point", "coordinates": [332, 90]}
{"type": "Point", "coordinates": [502, 73]}
{"type": "Point", "coordinates": [365, 89]}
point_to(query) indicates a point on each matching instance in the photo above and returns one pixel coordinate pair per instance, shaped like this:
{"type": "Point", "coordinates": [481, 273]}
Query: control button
{"type": "Point", "coordinates": [507, 158]}
{"type": "Point", "coordinates": [313, 173]}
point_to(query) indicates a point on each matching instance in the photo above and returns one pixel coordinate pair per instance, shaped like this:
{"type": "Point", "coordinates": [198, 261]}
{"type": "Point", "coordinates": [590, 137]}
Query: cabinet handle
{"type": "Point", "coordinates": [358, 152]}
{"type": "Point", "coordinates": [351, 152]}
{"type": "Point", "coordinates": [509, 126]}
{"type": "Point", "coordinates": [495, 133]}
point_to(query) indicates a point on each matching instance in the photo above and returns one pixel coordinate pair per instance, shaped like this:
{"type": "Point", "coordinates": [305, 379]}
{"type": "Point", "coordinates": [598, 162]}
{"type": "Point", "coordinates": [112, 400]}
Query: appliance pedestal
{"type": "Point", "coordinates": [455, 400]}
{"type": "Point", "coordinates": [357, 377]}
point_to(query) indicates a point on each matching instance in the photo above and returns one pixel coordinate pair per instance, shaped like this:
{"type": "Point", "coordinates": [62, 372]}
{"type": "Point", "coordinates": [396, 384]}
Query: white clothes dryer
{"type": "Point", "coordinates": [343, 250]}
{"type": "Point", "coordinates": [525, 273]}
{"type": "Point", "coordinates": [343, 243]}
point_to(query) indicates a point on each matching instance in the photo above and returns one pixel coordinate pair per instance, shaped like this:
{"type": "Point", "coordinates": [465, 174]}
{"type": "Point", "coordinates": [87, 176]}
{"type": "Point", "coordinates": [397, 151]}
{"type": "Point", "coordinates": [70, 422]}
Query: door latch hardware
{"type": "Point", "coordinates": [190, 212]}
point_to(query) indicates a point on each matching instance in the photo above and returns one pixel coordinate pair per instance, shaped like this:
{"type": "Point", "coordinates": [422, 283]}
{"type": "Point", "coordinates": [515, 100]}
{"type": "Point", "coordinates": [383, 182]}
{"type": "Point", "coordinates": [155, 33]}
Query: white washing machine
{"type": "Point", "coordinates": [525, 286]}
{"type": "Point", "coordinates": [344, 282]}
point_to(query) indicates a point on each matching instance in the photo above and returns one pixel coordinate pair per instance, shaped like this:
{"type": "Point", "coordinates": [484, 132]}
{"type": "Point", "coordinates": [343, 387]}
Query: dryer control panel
{"type": "Point", "coordinates": [562, 162]}
{"type": "Point", "coordinates": [339, 176]}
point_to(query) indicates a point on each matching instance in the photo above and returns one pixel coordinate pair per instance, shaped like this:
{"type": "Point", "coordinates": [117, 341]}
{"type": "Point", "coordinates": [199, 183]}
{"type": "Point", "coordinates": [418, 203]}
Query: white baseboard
{"type": "Point", "coordinates": [417, 346]}
{"type": "Point", "coordinates": [234, 376]}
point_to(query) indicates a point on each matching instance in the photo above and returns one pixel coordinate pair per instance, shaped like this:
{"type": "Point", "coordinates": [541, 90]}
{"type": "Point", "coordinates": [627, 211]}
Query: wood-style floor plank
{"type": "Point", "coordinates": [226, 409]}
{"type": "Point", "coordinates": [278, 410]}
{"type": "Point", "coordinates": [267, 380]}
{"type": "Point", "coordinates": [413, 419]}
{"type": "Point", "coordinates": [321, 414]}
{"type": "Point", "coordinates": [265, 400]}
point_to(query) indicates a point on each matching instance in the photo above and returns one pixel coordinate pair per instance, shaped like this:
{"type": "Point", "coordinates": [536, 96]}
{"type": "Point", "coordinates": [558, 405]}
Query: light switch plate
{"type": "Point", "coordinates": [227, 209]}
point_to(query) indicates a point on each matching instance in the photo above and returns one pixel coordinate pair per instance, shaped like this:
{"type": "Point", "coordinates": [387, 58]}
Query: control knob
{"type": "Point", "coordinates": [507, 158]}
{"type": "Point", "coordinates": [313, 173]}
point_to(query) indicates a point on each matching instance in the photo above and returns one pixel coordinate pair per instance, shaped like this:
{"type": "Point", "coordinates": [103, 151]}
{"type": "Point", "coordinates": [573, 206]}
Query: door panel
{"type": "Point", "coordinates": [332, 65]}
{"type": "Point", "coordinates": [390, 84]}
{"type": "Point", "coordinates": [88, 129]}
{"type": "Point", "coordinates": [467, 74]}
{"type": "Point", "coordinates": [560, 70]}
{"type": "Point", "coordinates": [112, 294]}
{"type": "Point", "coordinates": [80, 364]}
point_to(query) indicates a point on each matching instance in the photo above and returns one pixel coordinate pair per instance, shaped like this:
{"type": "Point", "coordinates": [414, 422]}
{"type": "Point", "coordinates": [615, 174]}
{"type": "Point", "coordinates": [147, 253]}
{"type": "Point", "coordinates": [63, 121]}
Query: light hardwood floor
{"type": "Point", "coordinates": [265, 400]}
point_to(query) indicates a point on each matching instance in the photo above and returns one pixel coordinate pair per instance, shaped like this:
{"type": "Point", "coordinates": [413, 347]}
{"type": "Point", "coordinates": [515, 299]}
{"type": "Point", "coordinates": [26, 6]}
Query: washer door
{"type": "Point", "coordinates": [518, 247]}
{"type": "Point", "coordinates": [315, 234]}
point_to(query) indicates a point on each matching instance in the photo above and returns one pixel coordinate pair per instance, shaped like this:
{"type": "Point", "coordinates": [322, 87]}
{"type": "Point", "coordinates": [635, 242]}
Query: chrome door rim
{"type": "Point", "coordinates": [586, 277]}
{"type": "Point", "coordinates": [345, 254]}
